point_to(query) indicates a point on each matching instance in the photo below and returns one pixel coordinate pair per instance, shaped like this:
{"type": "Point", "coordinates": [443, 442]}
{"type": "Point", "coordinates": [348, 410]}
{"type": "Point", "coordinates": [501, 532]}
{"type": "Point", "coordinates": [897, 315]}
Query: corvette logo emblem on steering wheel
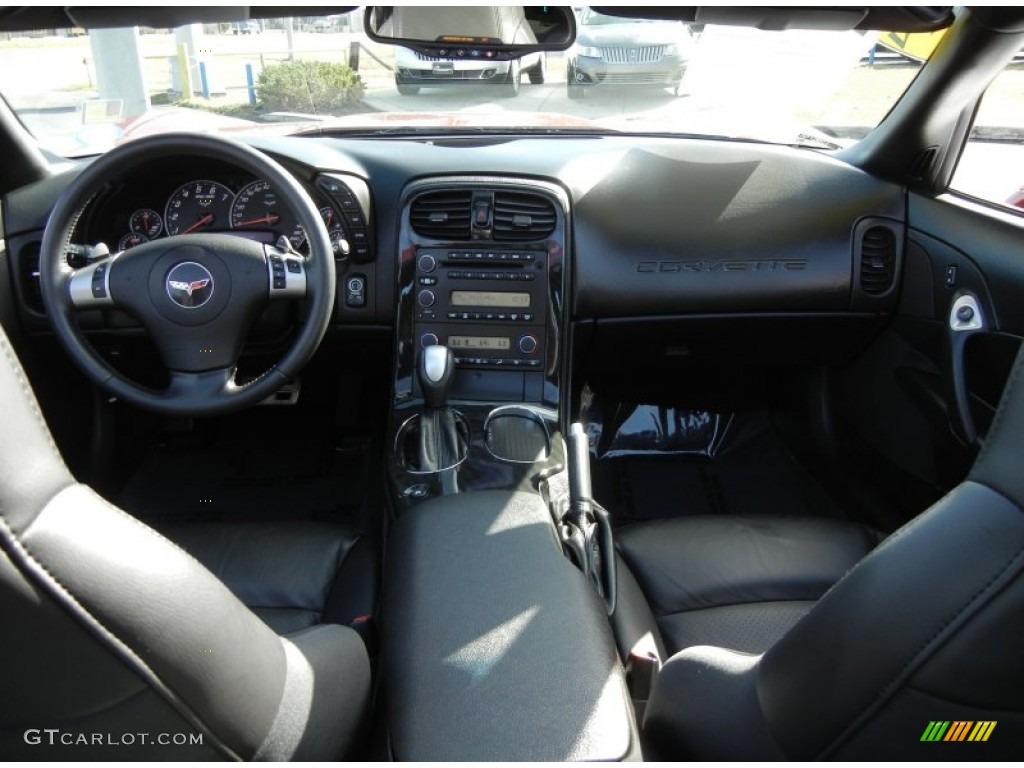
{"type": "Point", "coordinates": [189, 285]}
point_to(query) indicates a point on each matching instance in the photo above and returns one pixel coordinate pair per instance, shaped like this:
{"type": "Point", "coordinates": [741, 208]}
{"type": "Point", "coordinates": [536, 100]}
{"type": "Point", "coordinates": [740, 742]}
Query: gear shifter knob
{"type": "Point", "coordinates": [436, 368]}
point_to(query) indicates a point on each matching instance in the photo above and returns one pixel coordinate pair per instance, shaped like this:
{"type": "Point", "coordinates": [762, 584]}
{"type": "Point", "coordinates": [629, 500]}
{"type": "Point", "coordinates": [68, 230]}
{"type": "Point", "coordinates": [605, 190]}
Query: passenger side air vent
{"type": "Point", "coordinates": [28, 277]}
{"type": "Point", "coordinates": [521, 216]}
{"type": "Point", "coordinates": [877, 260]}
{"type": "Point", "coordinates": [442, 215]}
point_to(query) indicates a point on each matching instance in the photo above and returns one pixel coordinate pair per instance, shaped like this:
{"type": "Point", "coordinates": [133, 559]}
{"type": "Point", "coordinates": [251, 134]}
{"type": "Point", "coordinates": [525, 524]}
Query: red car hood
{"type": "Point", "coordinates": [177, 119]}
{"type": "Point", "coordinates": [172, 119]}
{"type": "Point", "coordinates": [469, 119]}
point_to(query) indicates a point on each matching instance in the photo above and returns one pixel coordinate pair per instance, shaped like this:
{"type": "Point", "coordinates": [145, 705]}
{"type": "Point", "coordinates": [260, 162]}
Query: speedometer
{"type": "Point", "coordinates": [198, 206]}
{"type": "Point", "coordinates": [259, 207]}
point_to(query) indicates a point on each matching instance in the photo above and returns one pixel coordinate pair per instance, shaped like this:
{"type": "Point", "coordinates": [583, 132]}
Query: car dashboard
{"type": "Point", "coordinates": [654, 269]}
{"type": "Point", "coordinates": [745, 227]}
{"type": "Point", "coordinates": [638, 253]}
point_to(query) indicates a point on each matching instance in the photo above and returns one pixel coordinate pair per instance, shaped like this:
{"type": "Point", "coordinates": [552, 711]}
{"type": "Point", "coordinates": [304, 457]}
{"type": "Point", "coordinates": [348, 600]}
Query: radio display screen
{"type": "Point", "coordinates": [478, 342]}
{"type": "Point", "coordinates": [504, 299]}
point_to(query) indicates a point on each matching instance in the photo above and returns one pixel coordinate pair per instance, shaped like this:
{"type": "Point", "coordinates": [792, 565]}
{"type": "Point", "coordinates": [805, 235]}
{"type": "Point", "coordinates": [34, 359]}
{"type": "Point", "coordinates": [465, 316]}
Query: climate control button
{"type": "Point", "coordinates": [426, 298]}
{"type": "Point", "coordinates": [527, 344]}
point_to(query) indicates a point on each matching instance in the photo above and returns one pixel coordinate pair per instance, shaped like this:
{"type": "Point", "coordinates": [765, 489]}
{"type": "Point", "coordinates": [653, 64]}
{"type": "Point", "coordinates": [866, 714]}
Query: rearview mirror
{"type": "Point", "coordinates": [492, 32]}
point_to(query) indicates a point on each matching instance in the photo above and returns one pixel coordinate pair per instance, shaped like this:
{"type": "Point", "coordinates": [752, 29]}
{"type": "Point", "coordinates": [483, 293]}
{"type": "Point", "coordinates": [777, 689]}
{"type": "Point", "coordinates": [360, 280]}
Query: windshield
{"type": "Point", "coordinates": [591, 18]}
{"type": "Point", "coordinates": [82, 92]}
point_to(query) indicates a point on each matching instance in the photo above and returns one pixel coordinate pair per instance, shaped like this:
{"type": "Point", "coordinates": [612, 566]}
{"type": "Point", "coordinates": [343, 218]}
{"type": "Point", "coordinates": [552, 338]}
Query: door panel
{"type": "Point", "coordinates": [991, 239]}
{"type": "Point", "coordinates": [976, 254]}
{"type": "Point", "coordinates": [915, 407]}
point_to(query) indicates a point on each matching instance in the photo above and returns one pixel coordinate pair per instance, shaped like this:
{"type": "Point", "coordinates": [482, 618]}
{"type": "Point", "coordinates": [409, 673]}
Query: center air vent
{"type": "Point", "coordinates": [877, 260]}
{"type": "Point", "coordinates": [442, 215]}
{"type": "Point", "coordinates": [521, 216]}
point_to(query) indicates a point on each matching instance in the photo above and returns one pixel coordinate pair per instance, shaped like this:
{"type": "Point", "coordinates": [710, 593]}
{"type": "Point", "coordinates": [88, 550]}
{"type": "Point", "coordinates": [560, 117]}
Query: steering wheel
{"type": "Point", "coordinates": [197, 295]}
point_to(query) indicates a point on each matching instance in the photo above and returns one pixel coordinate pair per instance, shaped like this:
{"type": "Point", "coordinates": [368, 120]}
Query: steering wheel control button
{"type": "Point", "coordinates": [189, 285]}
{"type": "Point", "coordinates": [89, 286]}
{"type": "Point", "coordinates": [287, 274]}
{"type": "Point", "coordinates": [280, 281]}
{"type": "Point", "coordinates": [355, 291]}
{"type": "Point", "coordinates": [99, 282]}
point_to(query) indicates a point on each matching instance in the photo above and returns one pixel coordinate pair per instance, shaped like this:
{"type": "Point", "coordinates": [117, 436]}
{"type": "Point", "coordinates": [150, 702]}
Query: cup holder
{"type": "Point", "coordinates": [407, 445]}
{"type": "Point", "coordinates": [517, 434]}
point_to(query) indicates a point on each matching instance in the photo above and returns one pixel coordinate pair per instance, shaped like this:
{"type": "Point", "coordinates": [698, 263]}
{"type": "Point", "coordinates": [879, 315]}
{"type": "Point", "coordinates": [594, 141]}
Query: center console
{"type": "Point", "coordinates": [498, 646]}
{"type": "Point", "coordinates": [481, 273]}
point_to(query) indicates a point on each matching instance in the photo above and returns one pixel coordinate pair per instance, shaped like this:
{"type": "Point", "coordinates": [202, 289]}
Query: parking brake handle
{"type": "Point", "coordinates": [585, 528]}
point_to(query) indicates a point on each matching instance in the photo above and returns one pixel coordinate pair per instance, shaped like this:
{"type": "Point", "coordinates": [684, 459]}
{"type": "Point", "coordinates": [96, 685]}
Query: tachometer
{"type": "Point", "coordinates": [259, 207]}
{"type": "Point", "coordinates": [146, 221]}
{"type": "Point", "coordinates": [197, 206]}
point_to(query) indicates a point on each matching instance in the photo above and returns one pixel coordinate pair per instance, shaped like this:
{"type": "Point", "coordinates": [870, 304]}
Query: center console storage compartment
{"type": "Point", "coordinates": [498, 648]}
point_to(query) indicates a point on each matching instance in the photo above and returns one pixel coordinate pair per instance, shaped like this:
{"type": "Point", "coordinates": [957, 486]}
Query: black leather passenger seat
{"type": "Point", "coordinates": [767, 659]}
{"type": "Point", "coordinates": [736, 582]}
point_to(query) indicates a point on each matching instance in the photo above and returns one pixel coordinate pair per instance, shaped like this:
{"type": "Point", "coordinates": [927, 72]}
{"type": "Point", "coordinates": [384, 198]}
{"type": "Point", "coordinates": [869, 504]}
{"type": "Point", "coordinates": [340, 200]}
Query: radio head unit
{"type": "Point", "coordinates": [488, 304]}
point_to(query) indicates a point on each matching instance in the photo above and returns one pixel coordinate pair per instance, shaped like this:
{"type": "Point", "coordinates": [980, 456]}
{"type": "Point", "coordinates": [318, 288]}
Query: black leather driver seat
{"type": "Point", "coordinates": [127, 648]}
{"type": "Point", "coordinates": [925, 630]}
{"type": "Point", "coordinates": [292, 575]}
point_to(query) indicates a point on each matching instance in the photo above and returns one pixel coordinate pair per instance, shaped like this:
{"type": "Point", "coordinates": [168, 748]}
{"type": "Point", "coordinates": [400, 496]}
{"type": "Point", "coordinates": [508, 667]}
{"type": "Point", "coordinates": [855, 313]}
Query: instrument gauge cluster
{"type": "Point", "coordinates": [177, 197]}
{"type": "Point", "coordinates": [234, 204]}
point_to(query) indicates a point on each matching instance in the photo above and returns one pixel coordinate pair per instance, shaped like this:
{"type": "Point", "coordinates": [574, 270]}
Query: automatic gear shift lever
{"type": "Point", "coordinates": [435, 371]}
{"type": "Point", "coordinates": [441, 448]}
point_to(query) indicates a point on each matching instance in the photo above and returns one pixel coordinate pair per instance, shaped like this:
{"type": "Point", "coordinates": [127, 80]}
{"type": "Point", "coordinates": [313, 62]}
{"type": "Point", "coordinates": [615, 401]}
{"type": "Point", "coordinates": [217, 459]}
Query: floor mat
{"type": "Point", "coordinates": [751, 473]}
{"type": "Point", "coordinates": [234, 479]}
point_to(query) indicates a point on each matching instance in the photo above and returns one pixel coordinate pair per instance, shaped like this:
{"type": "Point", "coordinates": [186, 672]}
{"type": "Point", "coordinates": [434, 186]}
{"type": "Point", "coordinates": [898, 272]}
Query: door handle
{"type": "Point", "coordinates": [965, 320]}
